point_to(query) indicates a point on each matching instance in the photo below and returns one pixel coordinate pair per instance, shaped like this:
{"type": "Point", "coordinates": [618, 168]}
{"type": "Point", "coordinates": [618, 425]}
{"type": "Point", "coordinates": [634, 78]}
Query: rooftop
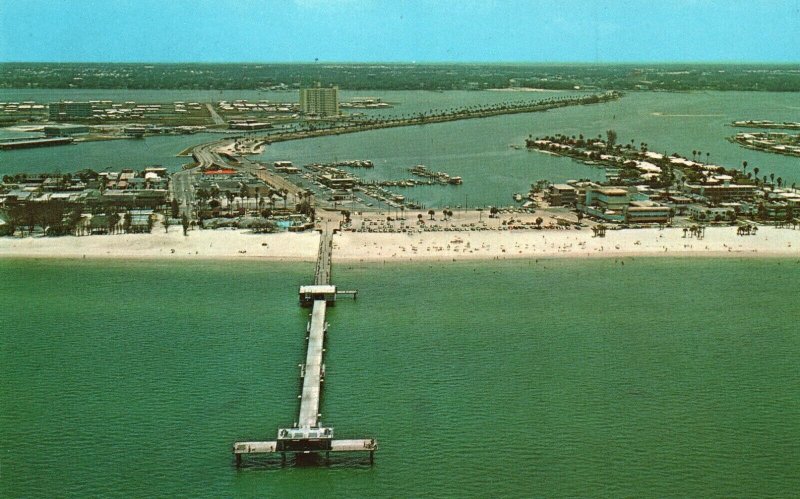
{"type": "Point", "coordinates": [318, 289]}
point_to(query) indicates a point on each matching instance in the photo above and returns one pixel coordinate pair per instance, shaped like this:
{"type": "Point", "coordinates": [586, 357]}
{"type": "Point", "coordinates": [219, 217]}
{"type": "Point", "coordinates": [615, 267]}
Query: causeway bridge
{"type": "Point", "coordinates": [307, 437]}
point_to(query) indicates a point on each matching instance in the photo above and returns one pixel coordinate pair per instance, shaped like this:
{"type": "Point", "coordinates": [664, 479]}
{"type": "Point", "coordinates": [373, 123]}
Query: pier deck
{"type": "Point", "coordinates": [322, 274]}
{"type": "Point", "coordinates": [307, 436]}
{"type": "Point", "coordinates": [312, 380]}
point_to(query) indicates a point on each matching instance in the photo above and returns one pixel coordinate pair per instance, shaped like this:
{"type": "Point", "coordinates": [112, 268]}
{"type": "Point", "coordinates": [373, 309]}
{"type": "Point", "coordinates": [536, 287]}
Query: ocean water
{"type": "Point", "coordinates": [659, 377]}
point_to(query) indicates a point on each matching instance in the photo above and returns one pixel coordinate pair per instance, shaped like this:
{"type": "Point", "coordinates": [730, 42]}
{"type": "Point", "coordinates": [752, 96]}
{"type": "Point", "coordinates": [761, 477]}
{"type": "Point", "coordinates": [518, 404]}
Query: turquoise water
{"type": "Point", "coordinates": [662, 377]}
{"type": "Point", "coordinates": [105, 155]}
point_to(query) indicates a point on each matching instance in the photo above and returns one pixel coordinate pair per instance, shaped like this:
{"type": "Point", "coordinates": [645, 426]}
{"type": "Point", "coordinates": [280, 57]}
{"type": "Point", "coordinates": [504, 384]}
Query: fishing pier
{"type": "Point", "coordinates": [308, 437]}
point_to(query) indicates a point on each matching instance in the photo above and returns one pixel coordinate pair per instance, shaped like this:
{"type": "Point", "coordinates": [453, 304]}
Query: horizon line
{"type": "Point", "coordinates": [431, 62]}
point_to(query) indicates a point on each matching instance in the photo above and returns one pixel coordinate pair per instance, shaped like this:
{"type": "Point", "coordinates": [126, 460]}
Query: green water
{"type": "Point", "coordinates": [661, 377]}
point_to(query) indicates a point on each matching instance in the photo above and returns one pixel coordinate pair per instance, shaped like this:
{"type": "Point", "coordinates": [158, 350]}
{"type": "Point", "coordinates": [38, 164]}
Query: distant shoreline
{"type": "Point", "coordinates": [527, 89]}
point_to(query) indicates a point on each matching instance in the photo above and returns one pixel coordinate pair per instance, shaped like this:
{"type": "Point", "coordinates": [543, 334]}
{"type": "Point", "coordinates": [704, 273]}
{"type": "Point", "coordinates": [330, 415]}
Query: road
{"type": "Point", "coordinates": [214, 115]}
{"type": "Point", "coordinates": [205, 156]}
{"type": "Point", "coordinates": [182, 187]}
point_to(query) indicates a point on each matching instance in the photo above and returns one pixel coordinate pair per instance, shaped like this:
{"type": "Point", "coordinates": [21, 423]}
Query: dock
{"type": "Point", "coordinates": [308, 437]}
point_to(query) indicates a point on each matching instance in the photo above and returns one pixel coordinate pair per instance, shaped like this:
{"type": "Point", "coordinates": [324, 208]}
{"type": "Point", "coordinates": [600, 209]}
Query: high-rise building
{"type": "Point", "coordinates": [65, 111]}
{"type": "Point", "coordinates": [320, 101]}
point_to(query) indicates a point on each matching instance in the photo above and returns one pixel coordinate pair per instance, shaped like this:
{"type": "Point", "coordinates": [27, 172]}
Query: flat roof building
{"type": "Point", "coordinates": [320, 101]}
{"type": "Point", "coordinates": [338, 181]}
{"type": "Point", "coordinates": [68, 110]}
{"type": "Point", "coordinates": [562, 194]}
{"type": "Point", "coordinates": [647, 212]}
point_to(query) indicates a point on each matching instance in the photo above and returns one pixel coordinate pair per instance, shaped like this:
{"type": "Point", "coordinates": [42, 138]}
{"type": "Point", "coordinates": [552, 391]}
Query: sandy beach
{"type": "Point", "coordinates": [199, 244]}
{"type": "Point", "coordinates": [489, 245]}
{"type": "Point", "coordinates": [444, 246]}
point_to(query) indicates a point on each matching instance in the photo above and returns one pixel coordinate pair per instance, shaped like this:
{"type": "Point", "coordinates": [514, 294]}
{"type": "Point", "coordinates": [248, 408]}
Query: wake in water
{"type": "Point", "coordinates": [686, 115]}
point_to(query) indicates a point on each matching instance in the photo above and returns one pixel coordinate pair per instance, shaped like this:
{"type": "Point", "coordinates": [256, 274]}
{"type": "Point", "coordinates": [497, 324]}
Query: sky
{"type": "Point", "coordinates": [400, 30]}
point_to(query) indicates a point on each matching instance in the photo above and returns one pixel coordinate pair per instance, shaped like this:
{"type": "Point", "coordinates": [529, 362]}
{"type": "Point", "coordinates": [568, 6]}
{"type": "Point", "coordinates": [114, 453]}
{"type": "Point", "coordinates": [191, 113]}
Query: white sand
{"type": "Point", "coordinates": [490, 245]}
{"type": "Point", "coordinates": [350, 246]}
{"type": "Point", "coordinates": [199, 244]}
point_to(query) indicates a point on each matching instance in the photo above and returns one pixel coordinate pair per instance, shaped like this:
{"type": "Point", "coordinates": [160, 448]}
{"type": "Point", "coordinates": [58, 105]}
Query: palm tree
{"type": "Point", "coordinates": [284, 193]}
{"type": "Point", "coordinates": [243, 195]}
{"type": "Point", "coordinates": [113, 220]}
{"type": "Point", "coordinates": [755, 172]}
{"type": "Point", "coordinates": [431, 213]}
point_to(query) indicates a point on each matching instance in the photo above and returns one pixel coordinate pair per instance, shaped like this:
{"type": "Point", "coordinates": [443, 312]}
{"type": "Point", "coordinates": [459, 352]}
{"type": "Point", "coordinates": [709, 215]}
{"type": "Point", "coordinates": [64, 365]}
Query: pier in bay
{"type": "Point", "coordinates": [308, 437]}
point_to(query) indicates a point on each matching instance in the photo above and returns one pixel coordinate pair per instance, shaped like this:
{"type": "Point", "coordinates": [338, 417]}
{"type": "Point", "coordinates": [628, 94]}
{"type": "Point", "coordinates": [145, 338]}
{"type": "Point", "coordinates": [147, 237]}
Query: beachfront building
{"type": "Point", "coordinates": [561, 195]}
{"type": "Point", "coordinates": [712, 214]}
{"type": "Point", "coordinates": [606, 203]}
{"type": "Point", "coordinates": [622, 204]}
{"type": "Point", "coordinates": [719, 189]}
{"type": "Point", "coordinates": [320, 101]}
{"type": "Point", "coordinates": [644, 212]}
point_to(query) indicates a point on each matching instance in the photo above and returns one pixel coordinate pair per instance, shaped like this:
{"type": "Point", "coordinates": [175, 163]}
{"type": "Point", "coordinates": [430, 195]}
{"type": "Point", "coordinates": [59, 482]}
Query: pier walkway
{"type": "Point", "coordinates": [322, 274]}
{"type": "Point", "coordinates": [313, 369]}
{"type": "Point", "coordinates": [307, 436]}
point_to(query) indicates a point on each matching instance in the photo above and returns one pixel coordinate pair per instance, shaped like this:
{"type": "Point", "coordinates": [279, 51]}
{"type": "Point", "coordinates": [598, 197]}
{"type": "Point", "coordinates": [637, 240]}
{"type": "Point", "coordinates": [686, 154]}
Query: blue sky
{"type": "Point", "coordinates": [400, 30]}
